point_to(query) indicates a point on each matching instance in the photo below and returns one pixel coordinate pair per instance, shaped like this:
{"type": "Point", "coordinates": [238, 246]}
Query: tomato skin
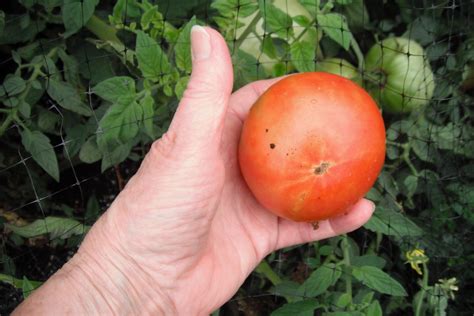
{"type": "Point", "coordinates": [312, 145]}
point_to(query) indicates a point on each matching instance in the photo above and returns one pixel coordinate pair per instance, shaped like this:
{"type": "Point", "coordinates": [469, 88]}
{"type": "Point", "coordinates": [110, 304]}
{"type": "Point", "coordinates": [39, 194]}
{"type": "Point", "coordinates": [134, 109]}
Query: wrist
{"type": "Point", "coordinates": [99, 281]}
{"type": "Point", "coordinates": [112, 282]}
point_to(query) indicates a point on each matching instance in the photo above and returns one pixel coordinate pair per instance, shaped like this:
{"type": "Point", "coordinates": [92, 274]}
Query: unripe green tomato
{"type": "Point", "coordinates": [399, 75]}
{"type": "Point", "coordinates": [341, 67]}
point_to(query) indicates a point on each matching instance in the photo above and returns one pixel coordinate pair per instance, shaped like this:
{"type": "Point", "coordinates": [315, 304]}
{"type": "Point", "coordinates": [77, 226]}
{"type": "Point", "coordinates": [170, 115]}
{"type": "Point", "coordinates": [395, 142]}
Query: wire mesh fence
{"type": "Point", "coordinates": [88, 85]}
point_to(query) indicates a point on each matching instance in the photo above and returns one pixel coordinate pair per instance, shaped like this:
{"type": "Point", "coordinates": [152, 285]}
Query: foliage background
{"type": "Point", "coordinates": [87, 85]}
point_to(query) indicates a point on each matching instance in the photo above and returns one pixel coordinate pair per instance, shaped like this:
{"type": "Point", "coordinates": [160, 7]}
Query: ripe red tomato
{"type": "Point", "coordinates": [312, 145]}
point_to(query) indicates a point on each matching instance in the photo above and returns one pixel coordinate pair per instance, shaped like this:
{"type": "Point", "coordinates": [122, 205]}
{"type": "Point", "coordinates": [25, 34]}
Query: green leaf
{"type": "Point", "coordinates": [288, 288]}
{"type": "Point", "coordinates": [71, 68]}
{"type": "Point", "coordinates": [335, 26]}
{"type": "Point", "coordinates": [117, 155]}
{"type": "Point", "coordinates": [48, 120]}
{"type": "Point", "coordinates": [182, 49]}
{"type": "Point", "coordinates": [90, 152]}
{"type": "Point", "coordinates": [41, 150]}
{"type": "Point", "coordinates": [378, 280]}
{"type": "Point", "coordinates": [120, 123]}
{"type": "Point", "coordinates": [56, 227]}
{"type": "Point", "coordinates": [148, 107]}
{"type": "Point", "coordinates": [311, 5]}
{"type": "Point", "coordinates": [368, 260]}
{"type": "Point", "coordinates": [303, 55]}
{"type": "Point", "coordinates": [410, 183]}
{"type": "Point", "coordinates": [374, 309]}
{"type": "Point", "coordinates": [13, 85]}
{"type": "Point", "coordinates": [302, 308]}
{"type": "Point", "coordinates": [392, 223]}
{"type": "Point", "coordinates": [67, 97]}
{"type": "Point", "coordinates": [124, 9]}
{"type": "Point", "coordinates": [302, 20]}
{"type": "Point", "coordinates": [344, 2]}
{"type": "Point", "coordinates": [268, 47]}
{"type": "Point", "coordinates": [115, 88]}
{"type": "Point", "coordinates": [357, 15]}
{"type": "Point", "coordinates": [24, 108]}
{"type": "Point", "coordinates": [17, 283]}
{"type": "Point", "coordinates": [245, 68]}
{"type": "Point", "coordinates": [76, 13]}
{"type": "Point", "coordinates": [27, 287]}
{"type": "Point", "coordinates": [343, 300]}
{"type": "Point", "coordinates": [276, 20]}
{"type": "Point", "coordinates": [388, 184]}
{"type": "Point", "coordinates": [321, 279]}
{"type": "Point", "coordinates": [231, 8]}
{"type": "Point", "coordinates": [181, 86]}
{"type": "Point", "coordinates": [152, 62]}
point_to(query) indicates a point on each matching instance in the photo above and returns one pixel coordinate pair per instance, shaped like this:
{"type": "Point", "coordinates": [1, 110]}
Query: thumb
{"type": "Point", "coordinates": [199, 119]}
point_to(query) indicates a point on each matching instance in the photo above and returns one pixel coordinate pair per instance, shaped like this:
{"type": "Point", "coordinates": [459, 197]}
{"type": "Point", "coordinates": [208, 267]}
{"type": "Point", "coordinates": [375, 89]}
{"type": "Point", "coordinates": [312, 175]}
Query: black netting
{"type": "Point", "coordinates": [68, 147]}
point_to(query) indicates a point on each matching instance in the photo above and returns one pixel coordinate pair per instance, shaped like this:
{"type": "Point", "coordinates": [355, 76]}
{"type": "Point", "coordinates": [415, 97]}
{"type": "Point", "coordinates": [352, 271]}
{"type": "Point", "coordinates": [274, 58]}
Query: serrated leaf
{"type": "Point", "coordinates": [392, 223]}
{"type": "Point", "coordinates": [275, 20]}
{"type": "Point", "coordinates": [76, 13]}
{"type": "Point", "coordinates": [115, 156]}
{"type": "Point", "coordinates": [67, 97]}
{"type": "Point", "coordinates": [13, 85]}
{"type": "Point", "coordinates": [321, 279]}
{"type": "Point", "coordinates": [368, 260]}
{"type": "Point", "coordinates": [71, 68]}
{"type": "Point", "coordinates": [152, 62]}
{"type": "Point", "coordinates": [302, 20]}
{"type": "Point", "coordinates": [182, 49]}
{"type": "Point", "coordinates": [378, 280]}
{"type": "Point", "coordinates": [90, 152]}
{"type": "Point", "coordinates": [120, 123]}
{"type": "Point", "coordinates": [303, 55]}
{"type": "Point", "coordinates": [311, 5]}
{"type": "Point", "coordinates": [114, 88]}
{"type": "Point", "coordinates": [181, 86]}
{"type": "Point", "coordinates": [374, 309]}
{"type": "Point", "coordinates": [24, 108]}
{"type": "Point", "coordinates": [230, 8]}
{"type": "Point", "coordinates": [148, 107]}
{"type": "Point", "coordinates": [26, 287]}
{"type": "Point", "coordinates": [41, 150]}
{"type": "Point", "coordinates": [302, 308]}
{"type": "Point", "coordinates": [56, 227]}
{"type": "Point", "coordinates": [335, 26]}
{"type": "Point", "coordinates": [410, 183]}
{"type": "Point", "coordinates": [17, 283]}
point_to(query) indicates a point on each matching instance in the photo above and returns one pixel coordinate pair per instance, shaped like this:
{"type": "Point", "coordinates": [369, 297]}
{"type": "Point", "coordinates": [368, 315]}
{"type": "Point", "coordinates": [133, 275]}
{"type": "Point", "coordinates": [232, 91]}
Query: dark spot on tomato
{"type": "Point", "coordinates": [322, 168]}
{"type": "Point", "coordinates": [266, 130]}
{"type": "Point", "coordinates": [272, 145]}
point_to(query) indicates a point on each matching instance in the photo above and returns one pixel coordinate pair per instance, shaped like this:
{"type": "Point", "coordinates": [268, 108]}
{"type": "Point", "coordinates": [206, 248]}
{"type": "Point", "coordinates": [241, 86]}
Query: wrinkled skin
{"type": "Point", "coordinates": [186, 231]}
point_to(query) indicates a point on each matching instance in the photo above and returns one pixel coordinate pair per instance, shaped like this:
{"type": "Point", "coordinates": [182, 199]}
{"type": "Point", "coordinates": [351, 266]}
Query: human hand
{"type": "Point", "coordinates": [186, 231]}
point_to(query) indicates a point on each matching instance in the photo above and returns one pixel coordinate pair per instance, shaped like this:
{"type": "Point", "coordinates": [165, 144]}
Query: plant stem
{"type": "Point", "coordinates": [347, 263]}
{"type": "Point", "coordinates": [102, 30]}
{"type": "Point", "coordinates": [247, 31]}
{"type": "Point", "coordinates": [359, 55]}
{"type": "Point", "coordinates": [378, 241]}
{"type": "Point", "coordinates": [406, 158]}
{"type": "Point", "coordinates": [424, 286]}
{"type": "Point", "coordinates": [265, 269]}
{"type": "Point", "coordinates": [6, 123]}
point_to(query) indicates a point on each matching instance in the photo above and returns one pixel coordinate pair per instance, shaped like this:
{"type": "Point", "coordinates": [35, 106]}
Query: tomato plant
{"type": "Point", "coordinates": [312, 146]}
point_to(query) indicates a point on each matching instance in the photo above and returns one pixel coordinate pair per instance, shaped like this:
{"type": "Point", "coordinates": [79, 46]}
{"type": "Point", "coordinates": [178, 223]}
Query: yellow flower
{"type": "Point", "coordinates": [415, 258]}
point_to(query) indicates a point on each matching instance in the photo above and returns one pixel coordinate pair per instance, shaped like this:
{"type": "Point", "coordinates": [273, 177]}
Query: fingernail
{"type": "Point", "coordinates": [200, 43]}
